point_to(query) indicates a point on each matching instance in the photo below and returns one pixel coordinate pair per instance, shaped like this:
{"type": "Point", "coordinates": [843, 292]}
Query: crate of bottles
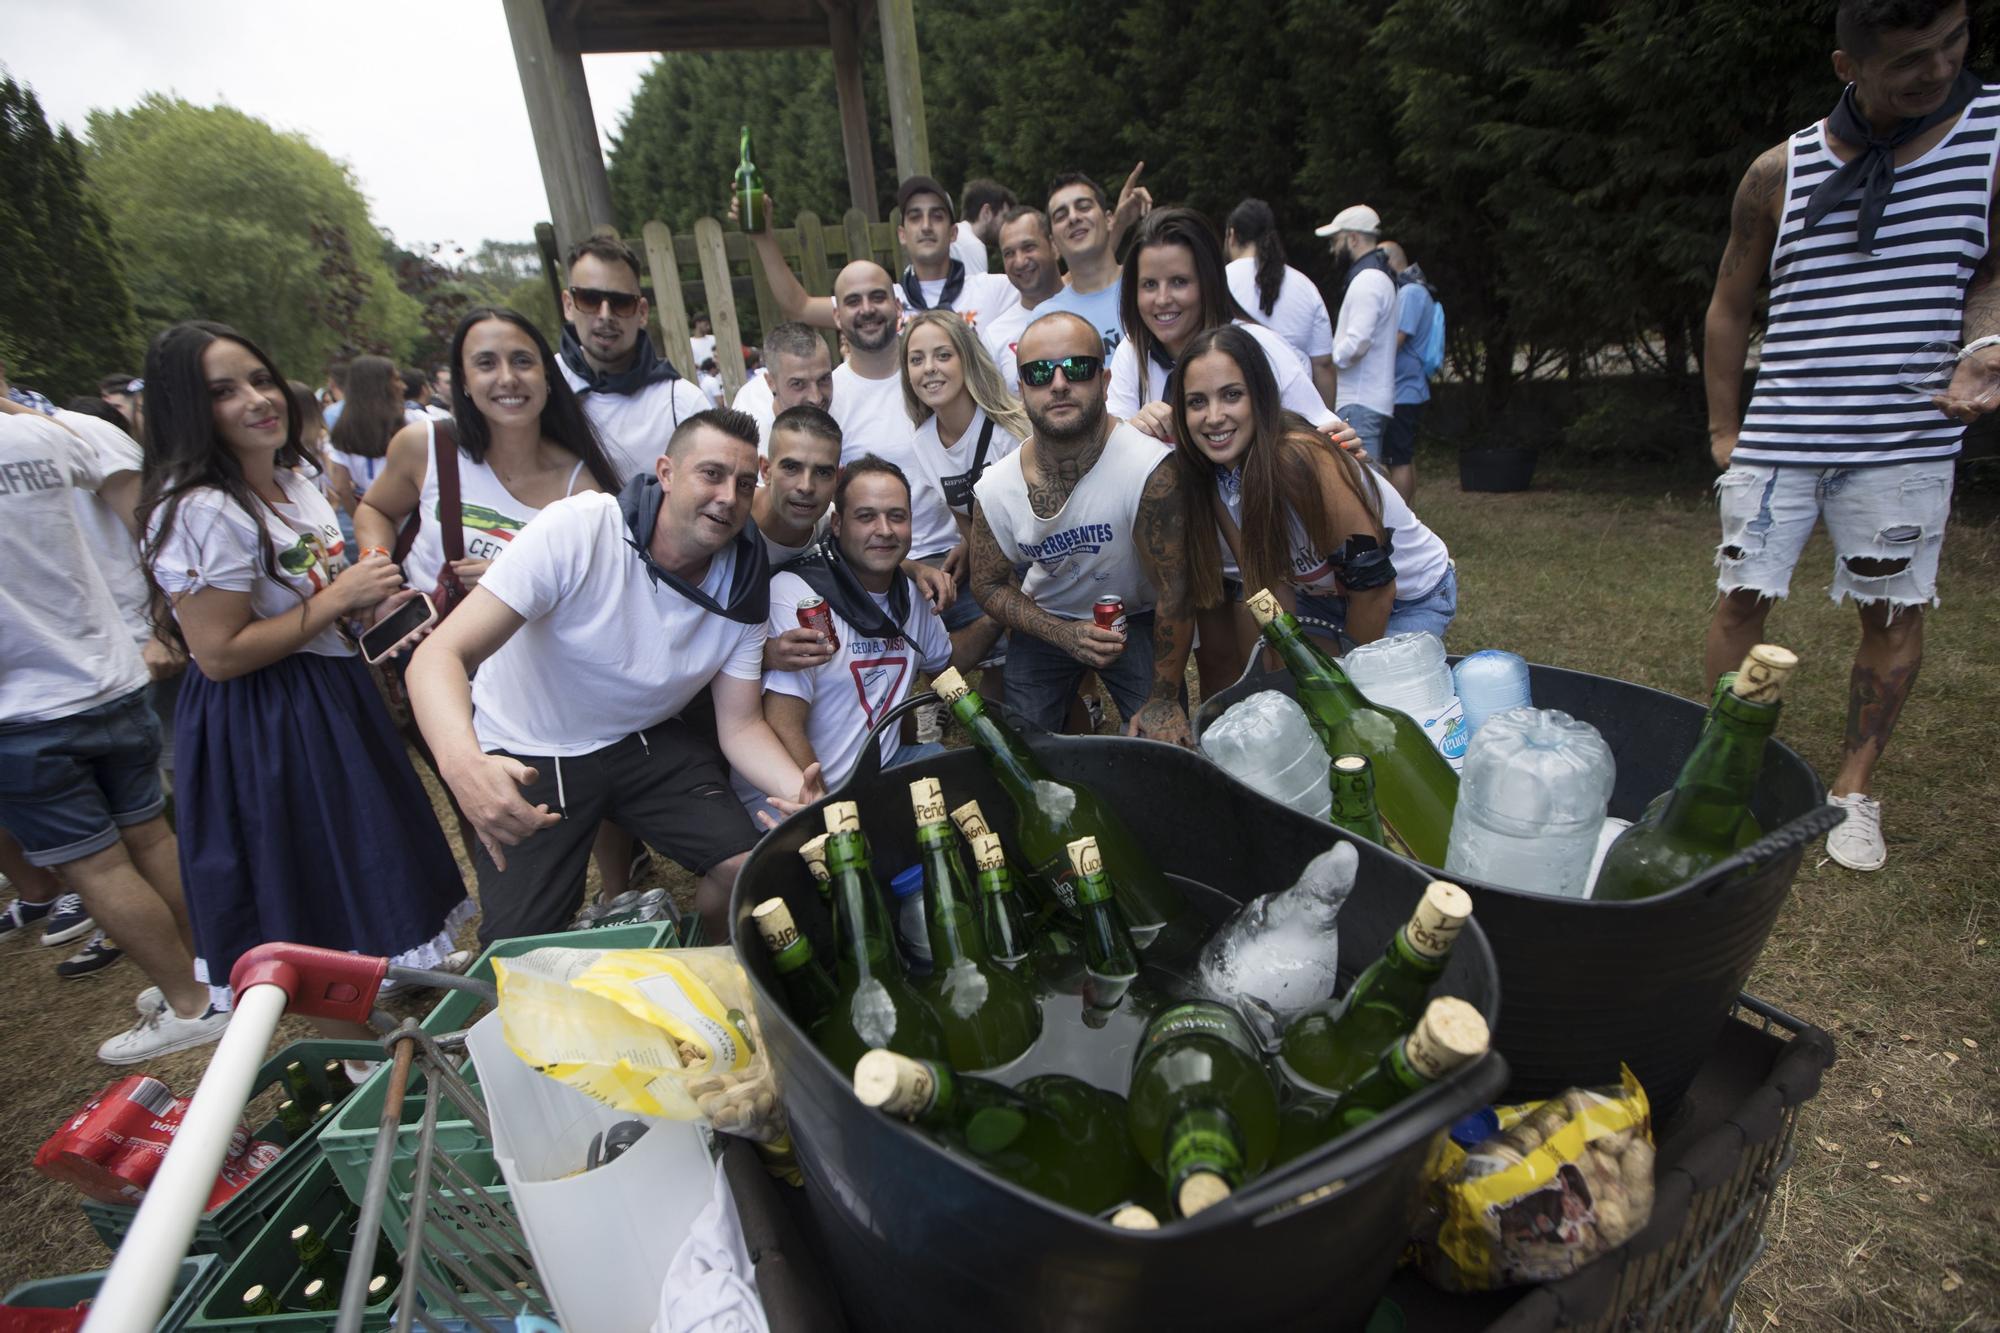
{"type": "Point", "coordinates": [197, 1274]}
{"type": "Point", "coordinates": [917, 1234]}
{"type": "Point", "coordinates": [228, 1227]}
{"type": "Point", "coordinates": [1648, 983]}
{"type": "Point", "coordinates": [266, 1287]}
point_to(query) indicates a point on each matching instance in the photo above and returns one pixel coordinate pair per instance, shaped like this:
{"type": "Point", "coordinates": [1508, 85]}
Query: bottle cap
{"type": "Point", "coordinates": [843, 817]}
{"type": "Point", "coordinates": [1202, 1189]}
{"type": "Point", "coordinates": [1440, 916]}
{"type": "Point", "coordinates": [927, 799]}
{"type": "Point", "coordinates": [775, 924]}
{"type": "Point", "coordinates": [970, 820]}
{"type": "Point", "coordinates": [1351, 763]}
{"type": "Point", "coordinates": [1134, 1218]}
{"type": "Point", "coordinates": [1084, 856]}
{"type": "Point", "coordinates": [1451, 1033]}
{"type": "Point", "coordinates": [1263, 605]}
{"type": "Point", "coordinates": [949, 686]}
{"type": "Point", "coordinates": [987, 852]}
{"type": "Point", "coordinates": [908, 882]}
{"type": "Point", "coordinates": [814, 852]}
{"type": "Point", "coordinates": [1761, 678]}
{"type": "Point", "coordinates": [893, 1083]}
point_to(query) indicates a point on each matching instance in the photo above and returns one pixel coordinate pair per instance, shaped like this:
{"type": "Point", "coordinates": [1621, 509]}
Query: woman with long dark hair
{"type": "Point", "coordinates": [370, 416]}
{"type": "Point", "coordinates": [1273, 505]}
{"type": "Point", "coordinates": [299, 815]}
{"type": "Point", "coordinates": [1277, 295]}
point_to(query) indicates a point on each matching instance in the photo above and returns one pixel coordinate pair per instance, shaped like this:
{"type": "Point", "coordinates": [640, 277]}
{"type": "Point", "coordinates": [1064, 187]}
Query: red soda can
{"type": "Point", "coordinates": [815, 614]}
{"type": "Point", "coordinates": [1109, 613]}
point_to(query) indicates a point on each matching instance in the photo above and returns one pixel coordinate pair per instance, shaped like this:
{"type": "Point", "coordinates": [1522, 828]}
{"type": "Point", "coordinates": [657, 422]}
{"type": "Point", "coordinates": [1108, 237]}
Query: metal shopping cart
{"type": "Point", "coordinates": [465, 1260]}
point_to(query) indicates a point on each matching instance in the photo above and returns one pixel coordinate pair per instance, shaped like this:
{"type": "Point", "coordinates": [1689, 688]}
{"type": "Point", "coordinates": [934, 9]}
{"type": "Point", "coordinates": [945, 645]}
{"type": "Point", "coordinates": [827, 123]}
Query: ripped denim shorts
{"type": "Point", "coordinates": [1887, 526]}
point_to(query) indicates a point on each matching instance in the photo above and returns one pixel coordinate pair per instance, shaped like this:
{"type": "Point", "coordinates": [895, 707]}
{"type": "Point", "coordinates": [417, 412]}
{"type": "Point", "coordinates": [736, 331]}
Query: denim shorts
{"type": "Point", "coordinates": [1369, 424]}
{"type": "Point", "coordinates": [1399, 441]}
{"type": "Point", "coordinates": [1894, 514]}
{"type": "Point", "coordinates": [1042, 678]}
{"type": "Point", "coordinates": [1432, 612]}
{"type": "Point", "coordinates": [69, 784]}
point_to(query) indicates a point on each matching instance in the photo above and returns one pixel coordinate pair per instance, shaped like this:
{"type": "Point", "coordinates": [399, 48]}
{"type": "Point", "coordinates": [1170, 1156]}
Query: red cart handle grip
{"type": "Point", "coordinates": [318, 983]}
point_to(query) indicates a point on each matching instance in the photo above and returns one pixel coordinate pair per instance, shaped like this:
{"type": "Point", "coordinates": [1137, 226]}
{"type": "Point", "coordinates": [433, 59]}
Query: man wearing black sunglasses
{"type": "Point", "coordinates": [1091, 507]}
{"type": "Point", "coordinates": [633, 395]}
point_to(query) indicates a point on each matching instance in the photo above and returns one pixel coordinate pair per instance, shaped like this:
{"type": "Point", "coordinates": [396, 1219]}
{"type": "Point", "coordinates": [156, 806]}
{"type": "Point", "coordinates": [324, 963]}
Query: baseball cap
{"type": "Point", "coordinates": [916, 185]}
{"type": "Point", "coordinates": [1355, 217]}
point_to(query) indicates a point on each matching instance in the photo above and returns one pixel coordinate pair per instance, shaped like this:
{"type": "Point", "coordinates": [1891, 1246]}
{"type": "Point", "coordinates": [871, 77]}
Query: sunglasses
{"type": "Point", "coordinates": [1075, 369]}
{"type": "Point", "coordinates": [590, 299]}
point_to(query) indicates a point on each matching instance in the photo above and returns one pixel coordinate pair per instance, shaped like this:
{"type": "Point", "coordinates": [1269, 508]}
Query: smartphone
{"type": "Point", "coordinates": [400, 624]}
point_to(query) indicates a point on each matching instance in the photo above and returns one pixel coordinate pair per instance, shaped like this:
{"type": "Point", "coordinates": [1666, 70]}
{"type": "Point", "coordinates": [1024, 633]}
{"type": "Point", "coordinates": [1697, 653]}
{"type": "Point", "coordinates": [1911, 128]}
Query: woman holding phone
{"type": "Point", "coordinates": [1273, 505]}
{"type": "Point", "coordinates": [299, 815]}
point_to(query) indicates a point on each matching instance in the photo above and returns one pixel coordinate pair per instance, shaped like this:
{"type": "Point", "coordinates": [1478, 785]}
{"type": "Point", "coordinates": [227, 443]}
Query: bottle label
{"type": "Point", "coordinates": [1206, 1146]}
{"type": "Point", "coordinates": [1447, 733]}
{"type": "Point", "coordinates": [1201, 1016]}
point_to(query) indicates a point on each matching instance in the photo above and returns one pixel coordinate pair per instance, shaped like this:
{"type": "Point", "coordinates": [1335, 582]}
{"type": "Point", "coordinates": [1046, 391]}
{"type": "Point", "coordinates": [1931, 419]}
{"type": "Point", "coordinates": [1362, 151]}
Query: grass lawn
{"type": "Point", "coordinates": [1889, 1219]}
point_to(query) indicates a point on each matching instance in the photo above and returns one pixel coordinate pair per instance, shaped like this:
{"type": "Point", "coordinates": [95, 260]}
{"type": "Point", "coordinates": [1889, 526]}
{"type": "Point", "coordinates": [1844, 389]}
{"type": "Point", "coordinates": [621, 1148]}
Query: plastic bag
{"type": "Point", "coordinates": [662, 1032]}
{"type": "Point", "coordinates": [1563, 1182]}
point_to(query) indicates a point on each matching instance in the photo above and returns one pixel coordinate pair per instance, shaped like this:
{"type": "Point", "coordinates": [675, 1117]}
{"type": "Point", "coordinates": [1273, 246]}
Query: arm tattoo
{"type": "Point", "coordinates": [997, 588]}
{"type": "Point", "coordinates": [1160, 528]}
{"type": "Point", "coordinates": [1054, 479]}
{"type": "Point", "coordinates": [1753, 218]}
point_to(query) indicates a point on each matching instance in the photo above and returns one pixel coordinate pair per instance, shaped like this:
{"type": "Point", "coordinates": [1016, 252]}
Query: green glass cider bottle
{"type": "Point", "coordinates": [1110, 963]}
{"type": "Point", "coordinates": [1050, 814]}
{"type": "Point", "coordinates": [1066, 1141]}
{"type": "Point", "coordinates": [1707, 814]}
{"type": "Point", "coordinates": [315, 1255]}
{"type": "Point", "coordinates": [988, 1014]}
{"type": "Point", "coordinates": [1724, 683]}
{"type": "Point", "coordinates": [875, 1004]}
{"type": "Point", "coordinates": [1332, 1045]}
{"type": "Point", "coordinates": [1353, 781]}
{"type": "Point", "coordinates": [1204, 1113]}
{"type": "Point", "coordinates": [1011, 937]}
{"type": "Point", "coordinates": [749, 188]}
{"type": "Point", "coordinates": [1451, 1033]}
{"type": "Point", "coordinates": [810, 994]}
{"type": "Point", "coordinates": [1415, 788]}
{"type": "Point", "coordinates": [261, 1300]}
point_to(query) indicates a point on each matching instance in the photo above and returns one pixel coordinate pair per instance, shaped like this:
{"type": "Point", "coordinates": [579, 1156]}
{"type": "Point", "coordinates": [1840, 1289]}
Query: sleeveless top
{"type": "Point", "coordinates": [491, 516]}
{"type": "Point", "coordinates": [1843, 322]}
{"type": "Point", "coordinates": [1087, 550]}
{"type": "Point", "coordinates": [1419, 554]}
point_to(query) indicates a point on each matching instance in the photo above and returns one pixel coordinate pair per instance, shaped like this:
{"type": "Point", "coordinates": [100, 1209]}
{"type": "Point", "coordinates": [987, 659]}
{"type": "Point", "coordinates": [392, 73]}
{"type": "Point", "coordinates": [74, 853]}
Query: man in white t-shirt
{"type": "Point", "coordinates": [798, 368]}
{"type": "Point", "coordinates": [1364, 336]}
{"type": "Point", "coordinates": [79, 745]}
{"type": "Point", "coordinates": [1091, 510]}
{"type": "Point", "coordinates": [701, 340]}
{"type": "Point", "coordinates": [887, 633]}
{"type": "Point", "coordinates": [633, 396]}
{"type": "Point", "coordinates": [1028, 256]}
{"type": "Point", "coordinates": [981, 204]}
{"type": "Point", "coordinates": [590, 634]}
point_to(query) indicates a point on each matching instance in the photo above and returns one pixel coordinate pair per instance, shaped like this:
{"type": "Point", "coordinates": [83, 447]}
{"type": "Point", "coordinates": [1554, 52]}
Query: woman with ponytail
{"type": "Point", "coordinates": [1279, 297]}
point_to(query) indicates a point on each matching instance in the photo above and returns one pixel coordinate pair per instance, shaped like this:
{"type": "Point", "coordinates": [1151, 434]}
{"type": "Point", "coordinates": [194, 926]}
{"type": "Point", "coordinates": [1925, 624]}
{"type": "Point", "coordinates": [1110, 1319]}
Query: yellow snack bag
{"type": "Point", "coordinates": [1562, 1182]}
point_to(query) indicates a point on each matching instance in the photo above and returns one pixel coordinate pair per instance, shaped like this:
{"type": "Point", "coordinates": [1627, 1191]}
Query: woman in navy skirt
{"type": "Point", "coordinates": [299, 815]}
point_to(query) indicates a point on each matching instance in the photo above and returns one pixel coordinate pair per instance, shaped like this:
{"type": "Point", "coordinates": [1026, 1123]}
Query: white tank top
{"type": "Point", "coordinates": [491, 515]}
{"type": "Point", "coordinates": [1418, 553]}
{"type": "Point", "coordinates": [1087, 550]}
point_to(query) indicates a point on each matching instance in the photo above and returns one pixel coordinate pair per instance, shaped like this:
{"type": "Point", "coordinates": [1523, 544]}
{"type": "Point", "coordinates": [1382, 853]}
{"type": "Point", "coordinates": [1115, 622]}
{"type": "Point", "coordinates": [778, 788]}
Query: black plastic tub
{"type": "Point", "coordinates": [918, 1239]}
{"type": "Point", "coordinates": [1650, 983]}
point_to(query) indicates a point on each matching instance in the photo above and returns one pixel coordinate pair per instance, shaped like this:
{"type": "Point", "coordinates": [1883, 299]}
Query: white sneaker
{"type": "Point", "coordinates": [150, 1001]}
{"type": "Point", "coordinates": [163, 1033]}
{"type": "Point", "coordinates": [1857, 842]}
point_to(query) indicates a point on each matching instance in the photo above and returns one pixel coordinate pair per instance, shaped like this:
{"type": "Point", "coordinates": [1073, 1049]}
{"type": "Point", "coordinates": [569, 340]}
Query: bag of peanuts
{"type": "Point", "coordinates": [1561, 1182]}
{"type": "Point", "coordinates": [662, 1032]}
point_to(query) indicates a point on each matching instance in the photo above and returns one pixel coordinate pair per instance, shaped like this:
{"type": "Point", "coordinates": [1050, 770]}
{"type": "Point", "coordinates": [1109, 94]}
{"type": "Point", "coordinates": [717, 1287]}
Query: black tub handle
{"type": "Point", "coordinates": [1779, 842]}
{"type": "Point", "coordinates": [869, 766]}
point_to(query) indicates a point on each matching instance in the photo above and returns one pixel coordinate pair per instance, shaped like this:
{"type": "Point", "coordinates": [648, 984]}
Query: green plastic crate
{"type": "Point", "coordinates": [269, 1259]}
{"type": "Point", "coordinates": [198, 1273]}
{"type": "Point", "coordinates": [225, 1229]}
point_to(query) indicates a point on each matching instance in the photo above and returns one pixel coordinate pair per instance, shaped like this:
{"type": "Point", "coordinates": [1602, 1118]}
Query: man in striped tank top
{"type": "Point", "coordinates": [1873, 228]}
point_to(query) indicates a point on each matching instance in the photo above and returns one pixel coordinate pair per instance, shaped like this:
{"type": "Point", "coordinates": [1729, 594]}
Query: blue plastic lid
{"type": "Point", "coordinates": [909, 882]}
{"type": "Point", "coordinates": [1476, 1128]}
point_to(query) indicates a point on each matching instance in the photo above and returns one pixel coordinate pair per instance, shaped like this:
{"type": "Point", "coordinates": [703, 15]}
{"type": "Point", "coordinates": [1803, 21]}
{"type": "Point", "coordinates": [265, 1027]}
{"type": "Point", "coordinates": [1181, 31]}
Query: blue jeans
{"type": "Point", "coordinates": [1431, 612]}
{"type": "Point", "coordinates": [1369, 424]}
{"type": "Point", "coordinates": [1042, 678]}
{"type": "Point", "coordinates": [68, 784]}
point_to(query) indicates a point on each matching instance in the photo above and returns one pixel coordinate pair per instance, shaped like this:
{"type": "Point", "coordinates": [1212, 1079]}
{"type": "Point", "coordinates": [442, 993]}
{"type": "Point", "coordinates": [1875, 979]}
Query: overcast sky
{"type": "Point", "coordinates": [418, 97]}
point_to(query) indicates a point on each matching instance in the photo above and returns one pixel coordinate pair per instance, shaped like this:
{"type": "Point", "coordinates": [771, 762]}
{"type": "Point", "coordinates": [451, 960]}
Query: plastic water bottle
{"type": "Point", "coordinates": [1531, 804]}
{"type": "Point", "coordinates": [1266, 742]}
{"type": "Point", "coordinates": [913, 933]}
{"type": "Point", "coordinates": [1490, 681]}
{"type": "Point", "coordinates": [1407, 672]}
{"type": "Point", "coordinates": [1279, 955]}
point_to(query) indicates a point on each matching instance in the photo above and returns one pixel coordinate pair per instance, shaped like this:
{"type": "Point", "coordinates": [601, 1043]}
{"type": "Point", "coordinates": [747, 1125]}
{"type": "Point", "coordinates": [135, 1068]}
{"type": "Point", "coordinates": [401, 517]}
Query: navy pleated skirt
{"type": "Point", "coordinates": [300, 818]}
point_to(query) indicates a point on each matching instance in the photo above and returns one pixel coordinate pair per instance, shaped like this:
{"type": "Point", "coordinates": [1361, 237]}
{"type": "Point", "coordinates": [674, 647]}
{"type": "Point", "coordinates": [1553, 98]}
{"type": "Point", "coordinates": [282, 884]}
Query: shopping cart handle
{"type": "Point", "coordinates": [318, 983]}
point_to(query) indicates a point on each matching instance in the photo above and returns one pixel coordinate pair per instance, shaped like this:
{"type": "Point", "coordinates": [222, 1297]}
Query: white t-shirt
{"type": "Point", "coordinates": [633, 428]}
{"type": "Point", "coordinates": [983, 296]}
{"type": "Point", "coordinates": [703, 347]}
{"type": "Point", "coordinates": [711, 388]}
{"type": "Point", "coordinates": [1418, 553]}
{"type": "Point", "coordinates": [1364, 342]}
{"type": "Point", "coordinates": [968, 248]}
{"type": "Point", "coordinates": [362, 470]}
{"type": "Point", "coordinates": [776, 553]}
{"type": "Point", "coordinates": [1298, 316]}
{"type": "Point", "coordinates": [1086, 551]}
{"type": "Point", "coordinates": [756, 399]}
{"type": "Point", "coordinates": [110, 541]}
{"type": "Point", "coordinates": [489, 516]}
{"type": "Point", "coordinates": [607, 650]}
{"type": "Point", "coordinates": [1100, 308]}
{"type": "Point", "coordinates": [946, 473]}
{"type": "Point", "coordinates": [1002, 336]}
{"type": "Point", "coordinates": [864, 679]}
{"type": "Point", "coordinates": [1129, 391]}
{"type": "Point", "coordinates": [214, 544]}
{"type": "Point", "coordinates": [64, 648]}
{"type": "Point", "coordinates": [875, 420]}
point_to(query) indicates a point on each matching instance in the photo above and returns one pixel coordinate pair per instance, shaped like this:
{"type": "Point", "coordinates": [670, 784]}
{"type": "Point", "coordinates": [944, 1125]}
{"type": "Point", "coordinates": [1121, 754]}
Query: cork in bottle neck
{"type": "Point", "coordinates": [1263, 604]}
{"type": "Point", "coordinates": [843, 817]}
{"type": "Point", "coordinates": [949, 686]}
{"type": "Point", "coordinates": [775, 925]}
{"type": "Point", "coordinates": [814, 852]}
{"type": "Point", "coordinates": [987, 854]}
{"type": "Point", "coordinates": [1085, 858]}
{"type": "Point", "coordinates": [971, 820]}
{"type": "Point", "coordinates": [927, 800]}
{"type": "Point", "coordinates": [1451, 1033]}
{"type": "Point", "coordinates": [1441, 914]}
{"type": "Point", "coordinates": [1761, 678]}
{"type": "Point", "coordinates": [893, 1083]}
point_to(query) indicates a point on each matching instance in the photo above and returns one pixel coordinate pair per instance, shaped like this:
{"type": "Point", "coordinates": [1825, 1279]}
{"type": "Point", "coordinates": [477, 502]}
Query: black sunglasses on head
{"type": "Point", "coordinates": [590, 299]}
{"type": "Point", "coordinates": [1075, 369]}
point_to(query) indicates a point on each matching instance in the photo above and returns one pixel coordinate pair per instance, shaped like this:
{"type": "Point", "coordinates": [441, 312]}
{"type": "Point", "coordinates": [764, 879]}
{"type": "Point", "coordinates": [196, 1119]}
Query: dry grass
{"type": "Point", "coordinates": [1888, 1220]}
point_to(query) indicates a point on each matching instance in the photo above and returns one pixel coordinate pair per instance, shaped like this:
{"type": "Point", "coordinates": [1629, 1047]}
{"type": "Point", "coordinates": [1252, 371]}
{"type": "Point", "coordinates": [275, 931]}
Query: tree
{"type": "Point", "coordinates": [65, 315]}
{"type": "Point", "coordinates": [225, 218]}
